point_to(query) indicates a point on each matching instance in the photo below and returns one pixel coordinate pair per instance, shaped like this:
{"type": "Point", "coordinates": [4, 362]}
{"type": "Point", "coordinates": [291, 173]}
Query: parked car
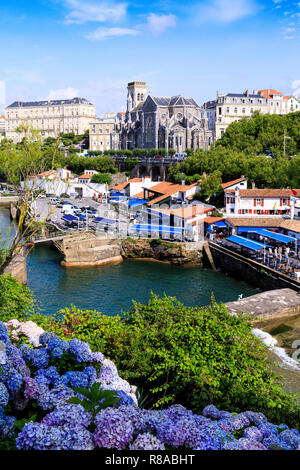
{"type": "Point", "coordinates": [65, 195]}
{"type": "Point", "coordinates": [54, 201]}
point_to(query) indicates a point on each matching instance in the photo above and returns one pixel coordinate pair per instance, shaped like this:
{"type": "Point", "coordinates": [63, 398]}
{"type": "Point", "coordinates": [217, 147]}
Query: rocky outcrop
{"type": "Point", "coordinates": [17, 269]}
{"type": "Point", "coordinates": [175, 253]}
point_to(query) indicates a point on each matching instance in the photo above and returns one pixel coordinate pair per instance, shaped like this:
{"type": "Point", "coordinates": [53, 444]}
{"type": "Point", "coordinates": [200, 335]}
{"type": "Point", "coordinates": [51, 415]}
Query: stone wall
{"type": "Point", "coordinates": [89, 250]}
{"type": "Point", "coordinates": [5, 201]}
{"type": "Point", "coordinates": [250, 271]}
{"type": "Point", "coordinates": [117, 179]}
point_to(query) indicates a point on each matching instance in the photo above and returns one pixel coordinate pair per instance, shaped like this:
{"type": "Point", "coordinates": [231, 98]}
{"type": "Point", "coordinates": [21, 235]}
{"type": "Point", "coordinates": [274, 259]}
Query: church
{"type": "Point", "coordinates": [163, 122]}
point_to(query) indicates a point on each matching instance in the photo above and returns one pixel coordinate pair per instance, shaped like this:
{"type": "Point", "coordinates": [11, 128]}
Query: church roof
{"type": "Point", "coordinates": [138, 107]}
{"type": "Point", "coordinates": [174, 101]}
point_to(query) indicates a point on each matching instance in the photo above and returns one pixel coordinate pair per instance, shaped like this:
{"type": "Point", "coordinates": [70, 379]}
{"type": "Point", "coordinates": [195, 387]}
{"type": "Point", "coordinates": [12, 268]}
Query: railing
{"type": "Point", "coordinates": [50, 236]}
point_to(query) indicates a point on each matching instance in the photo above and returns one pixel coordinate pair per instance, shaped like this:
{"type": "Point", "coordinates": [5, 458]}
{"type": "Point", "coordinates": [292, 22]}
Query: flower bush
{"type": "Point", "coordinates": [178, 354]}
{"type": "Point", "coordinates": [59, 395]}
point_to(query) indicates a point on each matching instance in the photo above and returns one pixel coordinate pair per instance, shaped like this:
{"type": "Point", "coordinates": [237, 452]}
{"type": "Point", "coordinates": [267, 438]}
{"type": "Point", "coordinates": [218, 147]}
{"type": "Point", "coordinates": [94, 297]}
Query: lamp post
{"type": "Point", "coordinates": [86, 220]}
{"type": "Point", "coordinates": [284, 138]}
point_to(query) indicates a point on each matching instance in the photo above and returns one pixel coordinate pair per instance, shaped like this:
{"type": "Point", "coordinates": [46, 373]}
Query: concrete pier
{"type": "Point", "coordinates": [268, 306]}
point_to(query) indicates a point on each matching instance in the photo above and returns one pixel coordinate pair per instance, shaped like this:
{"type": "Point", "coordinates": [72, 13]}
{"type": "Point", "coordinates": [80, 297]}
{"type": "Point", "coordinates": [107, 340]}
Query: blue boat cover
{"type": "Point", "coordinates": [69, 218]}
{"type": "Point", "coordinates": [245, 242]}
{"type": "Point", "coordinates": [156, 228]}
{"type": "Point", "coordinates": [102, 220]}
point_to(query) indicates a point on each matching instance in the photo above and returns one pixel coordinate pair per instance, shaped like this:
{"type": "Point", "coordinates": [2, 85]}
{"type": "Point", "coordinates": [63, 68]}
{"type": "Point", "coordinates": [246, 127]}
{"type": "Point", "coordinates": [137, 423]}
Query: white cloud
{"type": "Point", "coordinates": [84, 12]}
{"type": "Point", "coordinates": [296, 87]}
{"type": "Point", "coordinates": [157, 24]}
{"type": "Point", "coordinates": [288, 30]}
{"type": "Point", "coordinates": [224, 11]}
{"type": "Point", "coordinates": [102, 33]}
{"type": "Point", "coordinates": [63, 94]}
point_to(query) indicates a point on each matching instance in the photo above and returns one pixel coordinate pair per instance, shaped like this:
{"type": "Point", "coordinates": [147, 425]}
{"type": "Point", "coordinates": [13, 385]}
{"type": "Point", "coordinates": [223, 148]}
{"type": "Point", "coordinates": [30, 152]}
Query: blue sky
{"type": "Point", "coordinates": [93, 48]}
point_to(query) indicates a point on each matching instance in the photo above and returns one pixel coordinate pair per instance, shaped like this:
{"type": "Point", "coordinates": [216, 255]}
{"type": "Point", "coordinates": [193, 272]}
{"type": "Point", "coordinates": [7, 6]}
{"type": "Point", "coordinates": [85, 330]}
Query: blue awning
{"type": "Point", "coordinates": [220, 224]}
{"type": "Point", "coordinates": [156, 228]}
{"type": "Point", "coordinates": [69, 218]}
{"type": "Point", "coordinates": [247, 229]}
{"type": "Point", "coordinates": [102, 220]}
{"type": "Point", "coordinates": [275, 236]}
{"type": "Point", "coordinates": [246, 243]}
{"type": "Point", "coordinates": [136, 202]}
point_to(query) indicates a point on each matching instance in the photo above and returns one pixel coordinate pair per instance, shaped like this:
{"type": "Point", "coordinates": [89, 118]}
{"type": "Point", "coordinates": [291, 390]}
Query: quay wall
{"type": "Point", "coordinates": [6, 201]}
{"type": "Point", "coordinates": [250, 271]}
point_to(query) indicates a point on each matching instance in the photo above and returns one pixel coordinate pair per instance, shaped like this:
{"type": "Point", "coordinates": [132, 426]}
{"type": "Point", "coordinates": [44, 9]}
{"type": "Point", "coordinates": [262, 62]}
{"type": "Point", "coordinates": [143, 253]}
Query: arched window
{"type": "Point", "coordinates": [138, 97]}
{"type": "Point", "coordinates": [149, 129]}
{"type": "Point", "coordinates": [142, 97]}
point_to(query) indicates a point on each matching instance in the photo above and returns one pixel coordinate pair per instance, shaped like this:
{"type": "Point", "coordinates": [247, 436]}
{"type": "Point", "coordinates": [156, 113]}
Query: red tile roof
{"type": "Point", "coordinates": [85, 177]}
{"type": "Point", "coordinates": [166, 189]}
{"type": "Point", "coordinates": [269, 93]}
{"type": "Point", "coordinates": [213, 220]}
{"type": "Point", "coordinates": [265, 193]}
{"type": "Point", "coordinates": [272, 221]}
{"type": "Point", "coordinates": [188, 212]}
{"type": "Point", "coordinates": [231, 183]}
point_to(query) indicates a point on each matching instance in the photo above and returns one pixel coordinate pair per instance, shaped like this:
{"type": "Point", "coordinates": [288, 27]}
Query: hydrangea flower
{"type": "Point", "coordinates": [38, 436]}
{"type": "Point", "coordinates": [249, 444]}
{"type": "Point", "coordinates": [114, 430]}
{"type": "Point", "coordinates": [4, 395]}
{"type": "Point", "coordinates": [80, 350]}
{"type": "Point", "coordinates": [40, 358]}
{"type": "Point", "coordinates": [253, 433]}
{"type": "Point", "coordinates": [211, 411]}
{"type": "Point", "coordinates": [178, 433]}
{"type": "Point", "coordinates": [289, 438]}
{"type": "Point", "coordinates": [31, 388]}
{"type": "Point", "coordinates": [147, 442]}
{"type": "Point", "coordinates": [70, 415]}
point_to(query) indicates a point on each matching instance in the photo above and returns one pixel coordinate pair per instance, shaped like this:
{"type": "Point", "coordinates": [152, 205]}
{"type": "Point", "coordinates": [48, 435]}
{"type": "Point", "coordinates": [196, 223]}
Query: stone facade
{"type": "Point", "coordinates": [163, 122]}
{"type": "Point", "coordinates": [105, 132]}
{"type": "Point", "coordinates": [49, 117]}
{"type": "Point", "coordinates": [231, 107]}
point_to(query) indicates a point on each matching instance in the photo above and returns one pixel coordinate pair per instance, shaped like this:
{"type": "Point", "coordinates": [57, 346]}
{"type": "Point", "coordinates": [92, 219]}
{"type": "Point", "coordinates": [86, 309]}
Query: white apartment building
{"type": "Point", "coordinates": [49, 117]}
{"type": "Point", "coordinates": [2, 125]}
{"type": "Point", "coordinates": [232, 107]}
{"type": "Point", "coordinates": [255, 201]}
{"type": "Point", "coordinates": [134, 186]}
{"type": "Point", "coordinates": [105, 132]}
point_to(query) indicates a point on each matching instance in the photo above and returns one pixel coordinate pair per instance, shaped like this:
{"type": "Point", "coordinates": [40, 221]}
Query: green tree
{"type": "Point", "coordinates": [101, 178]}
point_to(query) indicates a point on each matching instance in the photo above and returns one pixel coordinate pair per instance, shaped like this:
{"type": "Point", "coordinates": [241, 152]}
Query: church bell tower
{"type": "Point", "coordinates": [137, 93]}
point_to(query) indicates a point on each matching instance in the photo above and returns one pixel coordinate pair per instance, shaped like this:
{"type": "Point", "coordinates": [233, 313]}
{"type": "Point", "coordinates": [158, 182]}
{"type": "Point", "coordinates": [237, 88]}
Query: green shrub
{"type": "Point", "coordinates": [192, 356]}
{"type": "Point", "coordinates": [15, 299]}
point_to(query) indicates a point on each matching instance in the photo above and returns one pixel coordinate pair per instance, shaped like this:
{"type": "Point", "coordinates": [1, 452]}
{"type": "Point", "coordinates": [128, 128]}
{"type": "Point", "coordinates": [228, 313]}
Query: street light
{"type": "Point", "coordinates": [284, 138]}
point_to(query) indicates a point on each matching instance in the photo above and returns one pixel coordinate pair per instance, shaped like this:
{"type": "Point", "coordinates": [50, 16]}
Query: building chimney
{"type": "Point", "coordinates": [253, 185]}
{"type": "Point", "coordinates": [247, 93]}
{"type": "Point", "coordinates": [217, 94]}
{"type": "Point", "coordinates": [182, 182]}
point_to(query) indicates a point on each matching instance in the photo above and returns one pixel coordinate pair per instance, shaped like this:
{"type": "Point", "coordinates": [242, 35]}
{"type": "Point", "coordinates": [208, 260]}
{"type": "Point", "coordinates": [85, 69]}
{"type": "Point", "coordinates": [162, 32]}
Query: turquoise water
{"type": "Point", "coordinates": [110, 289]}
